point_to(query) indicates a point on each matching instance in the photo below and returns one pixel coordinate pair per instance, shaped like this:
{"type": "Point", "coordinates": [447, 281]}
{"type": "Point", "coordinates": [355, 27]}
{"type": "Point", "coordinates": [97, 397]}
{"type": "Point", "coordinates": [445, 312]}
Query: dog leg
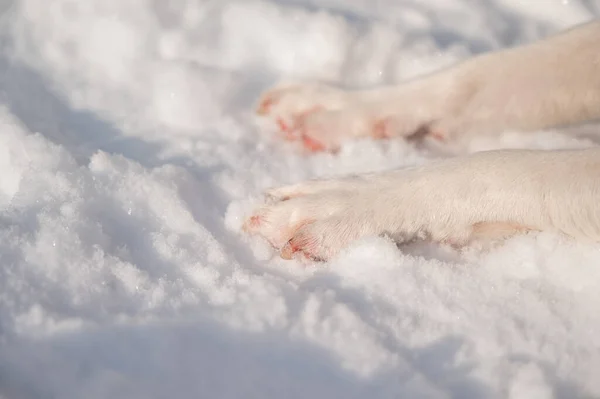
{"type": "Point", "coordinates": [453, 200]}
{"type": "Point", "coordinates": [549, 83]}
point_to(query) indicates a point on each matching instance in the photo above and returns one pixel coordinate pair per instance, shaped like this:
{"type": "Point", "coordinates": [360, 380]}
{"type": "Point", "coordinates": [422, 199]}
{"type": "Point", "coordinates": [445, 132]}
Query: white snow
{"type": "Point", "coordinates": [129, 157]}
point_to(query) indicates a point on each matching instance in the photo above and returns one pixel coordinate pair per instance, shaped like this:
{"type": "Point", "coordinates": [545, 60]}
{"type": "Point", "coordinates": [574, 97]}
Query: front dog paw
{"type": "Point", "coordinates": [312, 220]}
{"type": "Point", "coordinates": [322, 118]}
{"type": "Point", "coordinates": [454, 201]}
{"type": "Point", "coordinates": [316, 219]}
{"type": "Point", "coordinates": [290, 106]}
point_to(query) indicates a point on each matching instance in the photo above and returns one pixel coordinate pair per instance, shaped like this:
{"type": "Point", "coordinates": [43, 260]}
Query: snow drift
{"type": "Point", "coordinates": [129, 157]}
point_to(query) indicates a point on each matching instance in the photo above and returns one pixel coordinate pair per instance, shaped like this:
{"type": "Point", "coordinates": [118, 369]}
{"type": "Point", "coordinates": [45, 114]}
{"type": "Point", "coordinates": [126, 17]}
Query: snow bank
{"type": "Point", "coordinates": [129, 157]}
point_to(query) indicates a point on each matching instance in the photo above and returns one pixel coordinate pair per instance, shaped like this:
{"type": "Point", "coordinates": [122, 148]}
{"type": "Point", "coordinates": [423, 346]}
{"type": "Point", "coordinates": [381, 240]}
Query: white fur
{"type": "Point", "coordinates": [549, 83]}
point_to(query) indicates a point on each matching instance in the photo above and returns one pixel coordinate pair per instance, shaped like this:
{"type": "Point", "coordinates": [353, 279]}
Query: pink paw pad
{"type": "Point", "coordinates": [381, 129]}
{"type": "Point", "coordinates": [301, 244]}
{"type": "Point", "coordinates": [312, 144]}
{"type": "Point", "coordinates": [265, 107]}
{"type": "Point", "coordinates": [252, 223]}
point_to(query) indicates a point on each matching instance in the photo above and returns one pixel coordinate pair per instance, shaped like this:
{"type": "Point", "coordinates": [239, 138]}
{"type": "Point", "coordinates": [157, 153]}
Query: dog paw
{"type": "Point", "coordinates": [317, 116]}
{"type": "Point", "coordinates": [322, 118]}
{"type": "Point", "coordinates": [286, 104]}
{"type": "Point", "coordinates": [313, 220]}
{"type": "Point", "coordinates": [454, 201]}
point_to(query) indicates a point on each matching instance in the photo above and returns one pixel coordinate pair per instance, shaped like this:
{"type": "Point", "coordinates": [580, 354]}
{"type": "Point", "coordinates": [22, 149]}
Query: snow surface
{"type": "Point", "coordinates": [129, 157]}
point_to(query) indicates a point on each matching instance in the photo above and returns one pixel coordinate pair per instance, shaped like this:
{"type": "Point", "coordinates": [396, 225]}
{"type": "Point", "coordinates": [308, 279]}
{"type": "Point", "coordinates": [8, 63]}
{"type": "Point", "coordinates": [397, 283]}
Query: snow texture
{"type": "Point", "coordinates": [129, 157]}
